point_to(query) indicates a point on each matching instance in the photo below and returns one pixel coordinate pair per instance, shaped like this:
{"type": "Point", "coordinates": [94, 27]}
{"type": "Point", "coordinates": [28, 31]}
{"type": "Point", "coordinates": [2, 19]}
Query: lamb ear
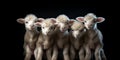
{"type": "Point", "coordinates": [40, 19]}
{"type": "Point", "coordinates": [21, 20]}
{"type": "Point", "coordinates": [100, 19]}
{"type": "Point", "coordinates": [53, 20]}
{"type": "Point", "coordinates": [81, 19]}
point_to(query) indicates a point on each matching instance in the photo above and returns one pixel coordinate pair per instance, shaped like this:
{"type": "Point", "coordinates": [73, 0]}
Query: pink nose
{"type": "Point", "coordinates": [32, 26]}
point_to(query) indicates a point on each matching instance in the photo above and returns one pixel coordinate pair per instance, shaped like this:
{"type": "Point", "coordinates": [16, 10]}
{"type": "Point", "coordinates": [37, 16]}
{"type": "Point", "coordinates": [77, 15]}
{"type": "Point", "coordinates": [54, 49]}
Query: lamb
{"type": "Point", "coordinates": [45, 39]}
{"type": "Point", "coordinates": [77, 34]}
{"type": "Point", "coordinates": [62, 37]}
{"type": "Point", "coordinates": [31, 34]}
{"type": "Point", "coordinates": [93, 40]}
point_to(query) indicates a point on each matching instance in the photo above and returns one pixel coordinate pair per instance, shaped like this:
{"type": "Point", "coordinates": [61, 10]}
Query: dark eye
{"type": "Point", "coordinates": [43, 27]}
{"type": "Point", "coordinates": [85, 21]}
{"type": "Point", "coordinates": [51, 27]}
{"type": "Point", "coordinates": [26, 22]}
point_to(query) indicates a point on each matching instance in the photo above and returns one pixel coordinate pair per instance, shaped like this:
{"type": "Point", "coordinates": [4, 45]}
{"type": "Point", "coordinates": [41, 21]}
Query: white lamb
{"type": "Point", "coordinates": [31, 34]}
{"type": "Point", "coordinates": [46, 38]}
{"type": "Point", "coordinates": [93, 40]}
{"type": "Point", "coordinates": [77, 34]}
{"type": "Point", "coordinates": [62, 37]}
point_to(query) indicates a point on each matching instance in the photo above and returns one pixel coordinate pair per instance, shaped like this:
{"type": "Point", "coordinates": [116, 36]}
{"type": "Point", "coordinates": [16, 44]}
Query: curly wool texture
{"type": "Point", "coordinates": [90, 16]}
{"type": "Point", "coordinates": [47, 22]}
{"type": "Point", "coordinates": [62, 18]}
{"type": "Point", "coordinates": [30, 17]}
{"type": "Point", "coordinates": [76, 25]}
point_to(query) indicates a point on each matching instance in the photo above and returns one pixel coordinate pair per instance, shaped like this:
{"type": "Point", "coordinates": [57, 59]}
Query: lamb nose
{"type": "Point", "coordinates": [32, 26]}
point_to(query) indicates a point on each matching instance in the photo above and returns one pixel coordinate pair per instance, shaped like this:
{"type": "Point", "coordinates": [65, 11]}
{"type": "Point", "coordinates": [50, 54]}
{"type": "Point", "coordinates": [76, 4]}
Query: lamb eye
{"type": "Point", "coordinates": [51, 28]}
{"type": "Point", "coordinates": [26, 22]}
{"type": "Point", "coordinates": [43, 27]}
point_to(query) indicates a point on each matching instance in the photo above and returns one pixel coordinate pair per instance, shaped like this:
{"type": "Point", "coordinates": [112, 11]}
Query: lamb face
{"type": "Point", "coordinates": [29, 21]}
{"type": "Point", "coordinates": [77, 28]}
{"type": "Point", "coordinates": [62, 22]}
{"type": "Point", "coordinates": [30, 36]}
{"type": "Point", "coordinates": [47, 26]}
{"type": "Point", "coordinates": [76, 38]}
{"type": "Point", "coordinates": [90, 20]}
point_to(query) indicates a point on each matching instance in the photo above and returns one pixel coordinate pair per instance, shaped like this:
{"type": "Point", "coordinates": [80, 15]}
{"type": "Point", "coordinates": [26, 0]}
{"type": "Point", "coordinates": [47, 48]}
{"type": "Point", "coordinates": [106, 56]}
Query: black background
{"type": "Point", "coordinates": [14, 32]}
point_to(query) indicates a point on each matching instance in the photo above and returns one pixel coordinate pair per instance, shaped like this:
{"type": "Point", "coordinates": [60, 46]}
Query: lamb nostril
{"type": "Point", "coordinates": [38, 28]}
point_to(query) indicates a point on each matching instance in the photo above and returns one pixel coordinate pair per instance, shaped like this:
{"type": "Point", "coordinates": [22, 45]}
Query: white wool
{"type": "Point", "coordinates": [47, 22]}
{"type": "Point", "coordinates": [77, 25]}
{"type": "Point", "coordinates": [75, 33]}
{"type": "Point", "coordinates": [90, 16]}
{"type": "Point", "coordinates": [62, 18]}
{"type": "Point", "coordinates": [30, 17]}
